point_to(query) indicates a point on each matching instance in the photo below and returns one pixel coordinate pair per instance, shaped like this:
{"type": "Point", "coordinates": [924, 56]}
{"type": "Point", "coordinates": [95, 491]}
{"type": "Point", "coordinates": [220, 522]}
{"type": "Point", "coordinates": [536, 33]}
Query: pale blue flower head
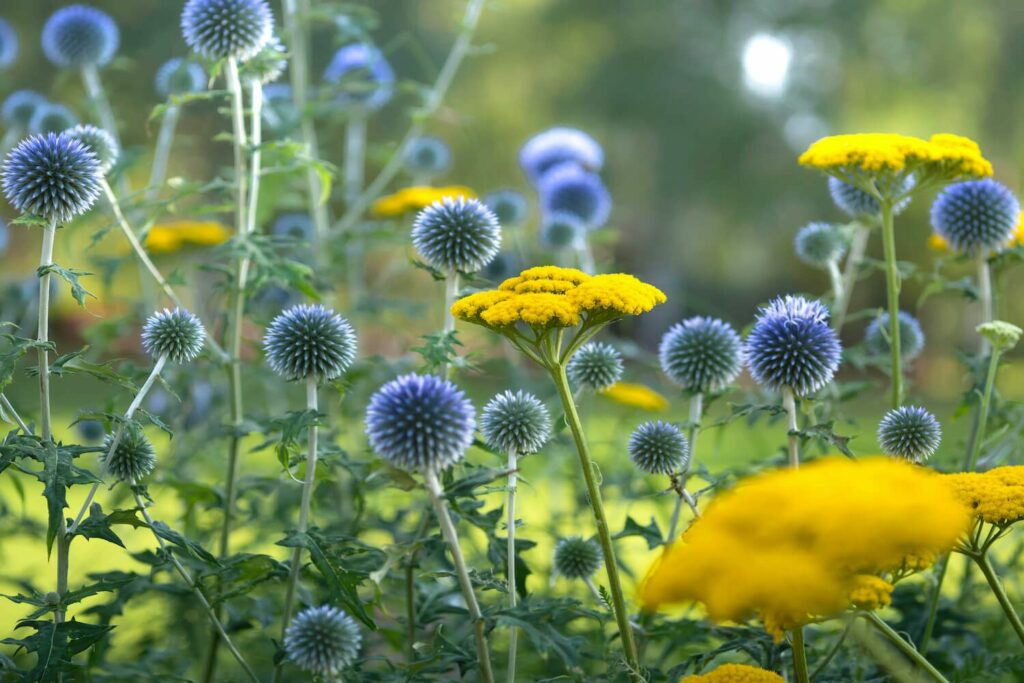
{"type": "Point", "coordinates": [52, 176]}
{"type": "Point", "coordinates": [178, 76]}
{"type": "Point", "coordinates": [322, 640]}
{"type": "Point", "coordinates": [457, 234]}
{"type": "Point", "coordinates": [820, 244]}
{"type": "Point", "coordinates": [134, 456]}
{"type": "Point", "coordinates": [975, 216]}
{"type": "Point", "coordinates": [856, 203]}
{"type": "Point", "coordinates": [556, 146]}
{"type": "Point", "coordinates": [217, 29]}
{"type": "Point", "coordinates": [294, 225]}
{"type": "Point", "coordinates": [175, 334]}
{"type": "Point", "coordinates": [577, 557]}
{"type": "Point", "coordinates": [561, 229]}
{"type": "Point", "coordinates": [8, 44]}
{"type": "Point", "coordinates": [19, 108]}
{"type": "Point", "coordinates": [51, 118]}
{"type": "Point", "coordinates": [876, 336]}
{"type": "Point", "coordinates": [427, 155]}
{"type": "Point", "coordinates": [569, 188]}
{"type": "Point", "coordinates": [596, 365]}
{"type": "Point", "coordinates": [310, 341]}
{"type": "Point", "coordinates": [701, 354]}
{"type": "Point", "coordinates": [659, 447]}
{"type": "Point", "coordinates": [363, 75]}
{"type": "Point", "coordinates": [78, 36]}
{"type": "Point", "coordinates": [909, 432]}
{"type": "Point", "coordinates": [508, 205]}
{"type": "Point", "coordinates": [516, 422]}
{"type": "Point", "coordinates": [102, 144]}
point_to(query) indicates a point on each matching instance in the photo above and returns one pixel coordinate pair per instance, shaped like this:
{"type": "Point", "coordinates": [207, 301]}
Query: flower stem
{"type": "Point", "coordinates": [789, 403]}
{"type": "Point", "coordinates": [800, 671]}
{"type": "Point", "coordinates": [444, 520]}
{"type": "Point", "coordinates": [906, 648]}
{"type": "Point", "coordinates": [162, 153]}
{"type": "Point", "coordinates": [858, 246]}
{"type": "Point", "coordinates": [933, 603]}
{"type": "Point", "coordinates": [354, 171]}
{"type": "Point", "coordinates": [513, 637]}
{"type": "Point", "coordinates": [557, 370]}
{"type": "Point", "coordinates": [892, 286]}
{"type": "Point", "coordinates": [696, 413]}
{"type": "Point", "coordinates": [94, 87]}
{"type": "Point", "coordinates": [8, 407]}
{"type": "Point", "coordinates": [836, 278]}
{"type": "Point", "coordinates": [997, 589]}
{"type": "Point", "coordinates": [584, 255]}
{"type": "Point", "coordinates": [986, 400]}
{"type": "Point", "coordinates": [451, 292]}
{"type": "Point", "coordinates": [984, 295]}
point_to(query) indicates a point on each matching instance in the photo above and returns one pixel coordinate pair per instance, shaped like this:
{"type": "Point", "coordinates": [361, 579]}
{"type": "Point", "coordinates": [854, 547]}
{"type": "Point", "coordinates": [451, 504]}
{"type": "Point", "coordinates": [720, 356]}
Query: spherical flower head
{"type": "Point", "coordinates": [701, 354]}
{"type": "Point", "coordinates": [820, 244]}
{"type": "Point", "coordinates": [876, 336]}
{"type": "Point", "coordinates": [427, 155]}
{"type": "Point", "coordinates": [134, 457]}
{"type": "Point", "coordinates": [8, 44]}
{"type": "Point", "coordinates": [596, 365]}
{"type": "Point", "coordinates": [52, 176]}
{"type": "Point", "coordinates": [420, 422]}
{"type": "Point", "coordinates": [179, 77]}
{"type": "Point", "coordinates": [561, 229]}
{"type": "Point", "coordinates": [508, 205]}
{"type": "Point", "coordinates": [457, 234]}
{"type": "Point", "coordinates": [297, 226]}
{"type": "Point", "coordinates": [102, 144]}
{"type": "Point", "coordinates": [218, 29]}
{"type": "Point", "coordinates": [19, 108]}
{"type": "Point", "coordinates": [659, 448]}
{"type": "Point", "coordinates": [310, 341]}
{"type": "Point", "coordinates": [364, 75]}
{"type": "Point", "coordinates": [569, 188]}
{"type": "Point", "coordinates": [267, 65]}
{"type": "Point", "coordinates": [909, 432]}
{"type": "Point", "coordinates": [176, 334]}
{"type": "Point", "coordinates": [1002, 335]}
{"type": "Point", "coordinates": [577, 557]}
{"type": "Point", "coordinates": [78, 35]}
{"type": "Point", "coordinates": [51, 118]}
{"type": "Point", "coordinates": [322, 640]}
{"type": "Point", "coordinates": [90, 431]}
{"type": "Point", "coordinates": [792, 346]}
{"type": "Point", "coordinates": [856, 203]}
{"type": "Point", "coordinates": [516, 422]}
{"type": "Point", "coordinates": [556, 146]}
{"type": "Point", "coordinates": [975, 216]}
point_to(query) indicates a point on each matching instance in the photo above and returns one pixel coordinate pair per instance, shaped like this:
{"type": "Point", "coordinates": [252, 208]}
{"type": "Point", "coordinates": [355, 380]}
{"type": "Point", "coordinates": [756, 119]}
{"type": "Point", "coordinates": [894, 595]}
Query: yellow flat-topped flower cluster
{"type": "Point", "coordinates": [996, 496]}
{"type": "Point", "coordinates": [792, 545]}
{"type": "Point", "coordinates": [170, 237]}
{"type": "Point", "coordinates": [946, 155]}
{"type": "Point", "coordinates": [636, 396]}
{"type": "Point", "coordinates": [559, 297]}
{"type": "Point", "coordinates": [736, 673]}
{"type": "Point", "coordinates": [415, 198]}
{"type": "Point", "coordinates": [871, 592]}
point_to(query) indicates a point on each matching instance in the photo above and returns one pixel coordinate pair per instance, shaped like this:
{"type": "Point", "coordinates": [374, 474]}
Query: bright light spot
{"type": "Point", "coordinates": [766, 61]}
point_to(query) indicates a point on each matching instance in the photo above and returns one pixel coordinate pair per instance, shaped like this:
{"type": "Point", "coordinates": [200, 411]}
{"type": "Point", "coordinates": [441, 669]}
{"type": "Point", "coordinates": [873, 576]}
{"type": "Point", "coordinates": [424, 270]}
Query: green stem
{"type": "Point", "coordinates": [997, 589]}
{"type": "Point", "coordinates": [789, 403]}
{"type": "Point", "coordinates": [905, 647]}
{"type": "Point", "coordinates": [933, 603]}
{"type": "Point", "coordinates": [984, 294]}
{"type": "Point", "coordinates": [853, 260]}
{"type": "Point", "coordinates": [557, 371]}
{"type": "Point", "coordinates": [162, 153]}
{"type": "Point", "coordinates": [833, 651]}
{"type": "Point", "coordinates": [451, 292]}
{"type": "Point", "coordinates": [836, 279]}
{"type": "Point", "coordinates": [800, 671]}
{"type": "Point", "coordinates": [8, 407]}
{"type": "Point", "coordinates": [513, 637]}
{"type": "Point", "coordinates": [696, 413]}
{"type": "Point", "coordinates": [986, 400]}
{"type": "Point", "coordinates": [354, 170]}
{"type": "Point", "coordinates": [892, 286]}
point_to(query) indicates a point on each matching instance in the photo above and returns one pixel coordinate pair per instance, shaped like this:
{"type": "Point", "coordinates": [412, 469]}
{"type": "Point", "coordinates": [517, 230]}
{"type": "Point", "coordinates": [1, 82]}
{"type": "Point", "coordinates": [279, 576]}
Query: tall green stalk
{"type": "Point", "coordinates": [858, 245]}
{"type": "Point", "coordinates": [696, 414]}
{"type": "Point", "coordinates": [892, 287]}
{"type": "Point", "coordinates": [789, 403]}
{"type": "Point", "coordinates": [986, 400]}
{"type": "Point", "coordinates": [510, 572]}
{"type": "Point", "coordinates": [981, 559]}
{"type": "Point", "coordinates": [906, 648]}
{"type": "Point", "coordinates": [800, 670]}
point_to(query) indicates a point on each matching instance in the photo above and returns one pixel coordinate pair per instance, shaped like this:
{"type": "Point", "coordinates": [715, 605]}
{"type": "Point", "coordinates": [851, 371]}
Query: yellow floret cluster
{"type": "Point", "coordinates": [636, 396]}
{"type": "Point", "coordinates": [871, 592]}
{"type": "Point", "coordinates": [996, 496]}
{"type": "Point", "coordinates": [560, 297]}
{"type": "Point", "coordinates": [792, 545]}
{"type": "Point", "coordinates": [170, 237]}
{"type": "Point", "coordinates": [736, 673]}
{"type": "Point", "coordinates": [415, 198]}
{"type": "Point", "coordinates": [945, 155]}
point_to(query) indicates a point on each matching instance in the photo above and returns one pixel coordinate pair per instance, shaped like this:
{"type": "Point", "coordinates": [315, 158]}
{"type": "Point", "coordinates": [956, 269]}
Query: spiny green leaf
{"type": "Point", "coordinates": [70, 276]}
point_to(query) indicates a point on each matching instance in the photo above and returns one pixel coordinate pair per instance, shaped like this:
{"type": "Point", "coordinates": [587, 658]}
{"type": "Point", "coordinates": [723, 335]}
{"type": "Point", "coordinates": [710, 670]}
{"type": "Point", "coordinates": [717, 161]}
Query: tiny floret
{"type": "Point", "coordinates": [102, 144]}
{"type": "Point", "coordinates": [978, 215]}
{"type": "Point", "coordinates": [218, 29]}
{"type": "Point", "coordinates": [569, 188]}
{"type": "Point", "coordinates": [79, 36]}
{"type": "Point", "coordinates": [427, 155]}
{"type": "Point", "coordinates": [516, 422]}
{"type": "Point", "coordinates": [820, 244]}
{"type": "Point", "coordinates": [876, 336]}
{"type": "Point", "coordinates": [577, 557]}
{"type": "Point", "coordinates": [1002, 335]}
{"type": "Point", "coordinates": [134, 456]}
{"type": "Point", "coordinates": [701, 354]}
{"type": "Point", "coordinates": [322, 640]}
{"type": "Point", "coordinates": [909, 432]}
{"type": "Point", "coordinates": [176, 334]}
{"type": "Point", "coordinates": [457, 235]}
{"type": "Point", "coordinates": [556, 146]}
{"type": "Point", "coordinates": [310, 341]}
{"type": "Point", "coordinates": [52, 176]}
{"type": "Point", "coordinates": [179, 77]}
{"type": "Point", "coordinates": [508, 205]}
{"type": "Point", "coordinates": [363, 75]}
{"type": "Point", "coordinates": [659, 448]}
{"type": "Point", "coordinates": [596, 365]}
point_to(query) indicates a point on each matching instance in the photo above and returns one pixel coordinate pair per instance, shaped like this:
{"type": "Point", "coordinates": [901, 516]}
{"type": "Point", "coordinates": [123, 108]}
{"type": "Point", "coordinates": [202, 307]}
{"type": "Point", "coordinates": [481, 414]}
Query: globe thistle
{"type": "Point", "coordinates": [516, 423]}
{"type": "Point", "coordinates": [508, 205]}
{"type": "Point", "coordinates": [51, 118]}
{"type": "Point", "coordinates": [457, 234]}
{"type": "Point", "coordinates": [179, 77]}
{"type": "Point", "coordinates": [78, 35]}
{"type": "Point", "coordinates": [857, 203]}
{"type": "Point", "coordinates": [659, 448]}
{"type": "Point", "coordinates": [427, 155]}
{"type": "Point", "coordinates": [568, 188]}
{"type": "Point", "coordinates": [561, 229]}
{"type": "Point", "coordinates": [102, 144]}
{"type": "Point", "coordinates": [820, 244]}
{"type": "Point", "coordinates": [597, 365]}
{"type": "Point", "coordinates": [218, 29]}
{"type": "Point", "coordinates": [363, 74]}
{"type": "Point", "coordinates": [8, 44]}
{"type": "Point", "coordinates": [52, 176]}
{"type": "Point", "coordinates": [559, 145]}
{"type": "Point", "coordinates": [90, 431]}
{"type": "Point", "coordinates": [876, 336]}
{"type": "Point", "coordinates": [504, 265]}
{"type": "Point", "coordinates": [792, 346]}
{"type": "Point", "coordinates": [310, 341]}
{"type": "Point", "coordinates": [19, 108]}
{"type": "Point", "coordinates": [322, 640]}
{"type": "Point", "coordinates": [701, 354]}
{"type": "Point", "coordinates": [297, 226]}
{"type": "Point", "coordinates": [577, 557]}
{"type": "Point", "coordinates": [267, 65]}
{"type": "Point", "coordinates": [420, 422]}
{"type": "Point", "coordinates": [909, 432]}
{"type": "Point", "coordinates": [133, 458]}
{"type": "Point", "coordinates": [975, 216]}
{"type": "Point", "coordinates": [176, 334]}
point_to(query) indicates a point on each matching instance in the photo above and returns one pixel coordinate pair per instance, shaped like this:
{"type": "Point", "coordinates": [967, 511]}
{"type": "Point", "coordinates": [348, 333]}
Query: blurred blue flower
{"type": "Point", "coordinates": [178, 76]}
{"type": "Point", "coordinates": [51, 118]}
{"type": "Point", "coordinates": [876, 336]}
{"type": "Point", "coordinates": [457, 234]}
{"type": "Point", "coordinates": [90, 431]}
{"type": "Point", "coordinates": [856, 203]}
{"type": "Point", "coordinates": [701, 354]}
{"type": "Point", "coordinates": [363, 74]}
{"type": "Point", "coordinates": [820, 244]}
{"type": "Point", "coordinates": [556, 146]}
{"type": "Point", "coordinates": [503, 266]}
{"type": "Point", "coordinates": [217, 29]}
{"type": "Point", "coordinates": [79, 35]}
{"type": "Point", "coordinates": [508, 205]}
{"type": "Point", "coordinates": [8, 44]}
{"type": "Point", "coordinates": [102, 144]}
{"type": "Point", "coordinates": [976, 215]}
{"type": "Point", "coordinates": [427, 155]}
{"type": "Point", "coordinates": [52, 176]}
{"type": "Point", "coordinates": [295, 225]}
{"type": "Point", "coordinates": [569, 188]}
{"type": "Point", "coordinates": [561, 229]}
{"type": "Point", "coordinates": [20, 106]}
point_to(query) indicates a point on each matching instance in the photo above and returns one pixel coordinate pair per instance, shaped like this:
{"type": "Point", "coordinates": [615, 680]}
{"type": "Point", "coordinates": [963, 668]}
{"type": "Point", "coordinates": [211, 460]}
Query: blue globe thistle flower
{"type": "Point", "coordinates": [909, 432]}
{"type": "Point", "coordinates": [78, 36]}
{"type": "Point", "coordinates": [8, 44]}
{"type": "Point", "coordinates": [876, 336]}
{"type": "Point", "coordinates": [976, 215]}
{"type": "Point", "coordinates": [568, 188]}
{"type": "Point", "coordinates": [857, 203]}
{"type": "Point", "coordinates": [363, 74]}
{"type": "Point", "coordinates": [659, 448]}
{"type": "Point", "coordinates": [504, 265]}
{"type": "Point", "coordinates": [420, 422]}
{"type": "Point", "coordinates": [792, 346]}
{"type": "Point", "coordinates": [134, 456]}
{"type": "Point", "coordinates": [19, 108]}
{"type": "Point", "coordinates": [297, 226]}
{"type": "Point", "coordinates": [217, 29]}
{"type": "Point", "coordinates": [310, 341]}
{"type": "Point", "coordinates": [267, 65]}
{"type": "Point", "coordinates": [457, 234]}
{"type": "Point", "coordinates": [179, 77]}
{"type": "Point", "coordinates": [177, 334]}
{"type": "Point", "coordinates": [820, 244]}
{"type": "Point", "coordinates": [508, 205]}
{"type": "Point", "coordinates": [561, 229]}
{"type": "Point", "coordinates": [102, 144]}
{"type": "Point", "coordinates": [51, 118]}
{"type": "Point", "coordinates": [577, 557]}
{"type": "Point", "coordinates": [427, 155]}
{"type": "Point", "coordinates": [596, 364]}
{"type": "Point", "coordinates": [701, 354]}
{"type": "Point", "coordinates": [556, 146]}
{"type": "Point", "coordinates": [52, 176]}
{"type": "Point", "coordinates": [322, 640]}
{"type": "Point", "coordinates": [516, 422]}
{"type": "Point", "coordinates": [90, 431]}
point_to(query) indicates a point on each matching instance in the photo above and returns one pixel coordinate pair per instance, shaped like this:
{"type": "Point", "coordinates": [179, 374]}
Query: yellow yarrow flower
{"type": "Point", "coordinates": [415, 198]}
{"type": "Point", "coordinates": [535, 308]}
{"type": "Point", "coordinates": [871, 592]}
{"type": "Point", "coordinates": [170, 237]}
{"type": "Point", "coordinates": [995, 497]}
{"type": "Point", "coordinates": [735, 673]}
{"type": "Point", "coordinates": [944, 155]}
{"type": "Point", "coordinates": [636, 396]}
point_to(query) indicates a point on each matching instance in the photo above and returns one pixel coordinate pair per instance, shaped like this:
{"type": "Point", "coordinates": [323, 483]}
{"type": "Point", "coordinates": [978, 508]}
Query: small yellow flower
{"type": "Point", "coordinates": [170, 237]}
{"type": "Point", "coordinates": [636, 396]}
{"type": "Point", "coordinates": [996, 496]}
{"type": "Point", "coordinates": [736, 673]}
{"type": "Point", "coordinates": [1017, 237]}
{"type": "Point", "coordinates": [949, 156]}
{"type": "Point", "coordinates": [415, 198]}
{"type": "Point", "coordinates": [871, 592]}
{"type": "Point", "coordinates": [938, 242]}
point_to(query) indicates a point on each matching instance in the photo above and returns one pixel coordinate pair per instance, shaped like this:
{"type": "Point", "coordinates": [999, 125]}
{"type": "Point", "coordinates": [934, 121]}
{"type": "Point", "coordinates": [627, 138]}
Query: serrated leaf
{"type": "Point", "coordinates": [70, 276]}
{"type": "Point", "coordinates": [650, 533]}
